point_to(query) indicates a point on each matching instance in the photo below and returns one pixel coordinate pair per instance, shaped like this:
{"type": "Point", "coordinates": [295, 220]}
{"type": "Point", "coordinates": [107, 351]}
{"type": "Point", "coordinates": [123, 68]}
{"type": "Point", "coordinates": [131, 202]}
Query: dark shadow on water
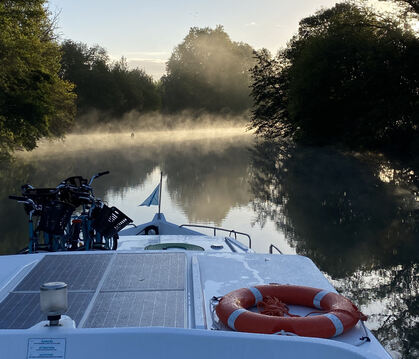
{"type": "Point", "coordinates": [357, 217]}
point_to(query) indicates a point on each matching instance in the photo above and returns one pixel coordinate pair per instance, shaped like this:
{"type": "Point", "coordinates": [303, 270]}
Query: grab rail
{"type": "Point", "coordinates": [272, 247]}
{"type": "Point", "coordinates": [231, 231]}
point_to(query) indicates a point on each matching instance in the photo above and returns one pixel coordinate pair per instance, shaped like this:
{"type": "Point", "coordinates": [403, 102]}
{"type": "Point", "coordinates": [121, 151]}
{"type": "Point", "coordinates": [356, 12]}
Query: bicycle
{"type": "Point", "coordinates": [95, 227]}
{"type": "Point", "coordinates": [31, 208]}
{"type": "Point", "coordinates": [52, 215]}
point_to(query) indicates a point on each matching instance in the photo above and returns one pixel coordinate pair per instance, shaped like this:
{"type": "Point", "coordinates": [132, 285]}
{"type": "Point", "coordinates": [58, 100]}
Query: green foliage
{"type": "Point", "coordinates": [136, 88]}
{"type": "Point", "coordinates": [346, 78]}
{"type": "Point", "coordinates": [410, 6]}
{"type": "Point", "coordinates": [270, 91]}
{"type": "Point", "coordinates": [101, 85]}
{"type": "Point", "coordinates": [34, 101]}
{"type": "Point", "coordinates": [208, 71]}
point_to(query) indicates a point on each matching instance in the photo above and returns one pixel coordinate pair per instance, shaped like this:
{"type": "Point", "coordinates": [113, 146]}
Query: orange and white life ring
{"type": "Point", "coordinates": [338, 314]}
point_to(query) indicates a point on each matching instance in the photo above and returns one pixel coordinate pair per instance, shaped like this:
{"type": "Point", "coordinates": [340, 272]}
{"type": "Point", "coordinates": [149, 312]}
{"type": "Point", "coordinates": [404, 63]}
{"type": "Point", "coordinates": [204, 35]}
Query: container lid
{"type": "Point", "coordinates": [53, 286]}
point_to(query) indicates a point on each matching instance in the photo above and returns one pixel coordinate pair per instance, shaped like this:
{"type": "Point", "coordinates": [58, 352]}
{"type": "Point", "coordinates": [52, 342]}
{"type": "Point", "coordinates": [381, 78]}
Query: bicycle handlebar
{"type": "Point", "coordinates": [97, 175]}
{"type": "Point", "coordinates": [26, 201]}
{"type": "Point", "coordinates": [64, 185]}
{"type": "Point", "coordinates": [88, 198]}
{"type": "Point", "coordinates": [20, 199]}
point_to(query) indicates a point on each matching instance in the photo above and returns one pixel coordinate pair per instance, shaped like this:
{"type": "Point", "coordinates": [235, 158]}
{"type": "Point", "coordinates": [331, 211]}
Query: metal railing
{"type": "Point", "coordinates": [215, 229]}
{"type": "Point", "coordinates": [272, 247]}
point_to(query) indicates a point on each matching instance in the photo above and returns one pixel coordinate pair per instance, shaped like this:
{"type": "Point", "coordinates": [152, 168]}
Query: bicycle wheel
{"type": "Point", "coordinates": [73, 238]}
{"type": "Point", "coordinates": [114, 244]}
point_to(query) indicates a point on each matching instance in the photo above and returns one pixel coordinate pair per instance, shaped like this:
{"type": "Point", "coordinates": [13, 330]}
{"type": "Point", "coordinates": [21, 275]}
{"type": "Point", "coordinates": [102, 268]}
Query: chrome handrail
{"type": "Point", "coordinates": [272, 247]}
{"type": "Point", "coordinates": [231, 231]}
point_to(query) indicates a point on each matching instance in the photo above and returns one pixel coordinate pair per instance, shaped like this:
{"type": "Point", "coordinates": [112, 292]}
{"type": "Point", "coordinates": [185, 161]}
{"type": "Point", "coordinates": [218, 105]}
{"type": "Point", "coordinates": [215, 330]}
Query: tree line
{"type": "Point", "coordinates": [348, 77]}
{"type": "Point", "coordinates": [110, 87]}
{"type": "Point", "coordinates": [46, 86]}
{"type": "Point", "coordinates": [207, 71]}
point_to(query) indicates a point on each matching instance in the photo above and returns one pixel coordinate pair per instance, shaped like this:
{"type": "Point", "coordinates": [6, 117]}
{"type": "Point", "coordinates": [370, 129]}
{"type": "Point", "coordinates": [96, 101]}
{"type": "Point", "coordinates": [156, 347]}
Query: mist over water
{"type": "Point", "coordinates": [96, 121]}
{"type": "Point", "coordinates": [355, 216]}
{"type": "Point", "coordinates": [101, 141]}
{"type": "Point", "coordinates": [205, 172]}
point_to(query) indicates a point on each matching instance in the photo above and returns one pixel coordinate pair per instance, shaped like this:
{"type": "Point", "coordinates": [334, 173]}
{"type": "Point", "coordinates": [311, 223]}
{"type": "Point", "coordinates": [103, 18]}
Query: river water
{"type": "Point", "coordinates": [355, 215]}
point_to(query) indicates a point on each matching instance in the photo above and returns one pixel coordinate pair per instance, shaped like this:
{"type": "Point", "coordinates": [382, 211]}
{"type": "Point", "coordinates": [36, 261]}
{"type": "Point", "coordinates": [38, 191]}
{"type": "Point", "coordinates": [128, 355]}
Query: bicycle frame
{"type": "Point", "coordinates": [53, 205]}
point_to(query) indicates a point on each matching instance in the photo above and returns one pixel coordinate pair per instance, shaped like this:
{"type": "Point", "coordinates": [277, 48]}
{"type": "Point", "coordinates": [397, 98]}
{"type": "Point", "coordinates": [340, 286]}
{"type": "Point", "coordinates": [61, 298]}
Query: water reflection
{"type": "Point", "coordinates": [205, 173]}
{"type": "Point", "coordinates": [207, 184]}
{"type": "Point", "coordinates": [390, 297]}
{"type": "Point", "coordinates": [355, 216]}
{"type": "Point", "coordinates": [360, 229]}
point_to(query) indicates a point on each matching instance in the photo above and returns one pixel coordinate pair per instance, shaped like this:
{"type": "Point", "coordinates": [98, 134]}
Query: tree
{"type": "Point", "coordinates": [87, 68]}
{"type": "Point", "coordinates": [137, 89]}
{"type": "Point", "coordinates": [109, 87]}
{"type": "Point", "coordinates": [269, 91]}
{"type": "Point", "coordinates": [208, 71]}
{"type": "Point", "coordinates": [34, 101]}
{"type": "Point", "coordinates": [346, 78]}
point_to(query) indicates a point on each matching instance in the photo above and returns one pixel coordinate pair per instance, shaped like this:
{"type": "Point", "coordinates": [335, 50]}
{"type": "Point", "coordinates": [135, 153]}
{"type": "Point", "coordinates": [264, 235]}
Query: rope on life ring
{"type": "Point", "coordinates": [337, 314]}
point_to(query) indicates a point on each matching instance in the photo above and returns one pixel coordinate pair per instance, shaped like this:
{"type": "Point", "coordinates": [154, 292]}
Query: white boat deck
{"type": "Point", "coordinates": [217, 244]}
{"type": "Point", "coordinates": [137, 302]}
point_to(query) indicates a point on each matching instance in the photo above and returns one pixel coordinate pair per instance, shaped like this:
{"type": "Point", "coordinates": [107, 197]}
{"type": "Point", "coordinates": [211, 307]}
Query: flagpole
{"type": "Point", "coordinates": [161, 180]}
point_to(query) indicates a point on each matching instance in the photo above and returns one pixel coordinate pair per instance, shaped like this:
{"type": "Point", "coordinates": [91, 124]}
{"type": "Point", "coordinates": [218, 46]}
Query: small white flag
{"type": "Point", "coordinates": [153, 198]}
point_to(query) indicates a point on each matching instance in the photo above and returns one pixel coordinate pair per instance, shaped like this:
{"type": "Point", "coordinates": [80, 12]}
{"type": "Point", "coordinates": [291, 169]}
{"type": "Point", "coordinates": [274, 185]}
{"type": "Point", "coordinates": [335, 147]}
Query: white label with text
{"type": "Point", "coordinates": [46, 348]}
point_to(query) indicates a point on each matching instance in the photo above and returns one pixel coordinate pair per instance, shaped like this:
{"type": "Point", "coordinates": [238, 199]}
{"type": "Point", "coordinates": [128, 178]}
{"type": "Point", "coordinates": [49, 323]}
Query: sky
{"type": "Point", "coordinates": [145, 32]}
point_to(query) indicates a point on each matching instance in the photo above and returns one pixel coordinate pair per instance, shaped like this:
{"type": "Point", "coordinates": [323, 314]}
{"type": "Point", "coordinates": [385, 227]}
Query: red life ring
{"type": "Point", "coordinates": [339, 314]}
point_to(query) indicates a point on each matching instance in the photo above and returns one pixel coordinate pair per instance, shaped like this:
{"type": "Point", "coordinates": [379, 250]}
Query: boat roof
{"type": "Point", "coordinates": [134, 291]}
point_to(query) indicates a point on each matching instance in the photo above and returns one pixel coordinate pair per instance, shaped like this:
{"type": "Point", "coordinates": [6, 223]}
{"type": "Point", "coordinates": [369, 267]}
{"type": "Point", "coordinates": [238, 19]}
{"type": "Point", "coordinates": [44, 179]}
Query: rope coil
{"type": "Point", "coordinates": [273, 306]}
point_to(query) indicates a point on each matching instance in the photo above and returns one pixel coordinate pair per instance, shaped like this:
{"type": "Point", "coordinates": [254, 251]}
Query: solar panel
{"type": "Point", "coordinates": [138, 289]}
{"type": "Point", "coordinates": [147, 271]}
{"type": "Point", "coordinates": [22, 310]}
{"type": "Point", "coordinates": [80, 272]}
{"type": "Point", "coordinates": [138, 309]}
